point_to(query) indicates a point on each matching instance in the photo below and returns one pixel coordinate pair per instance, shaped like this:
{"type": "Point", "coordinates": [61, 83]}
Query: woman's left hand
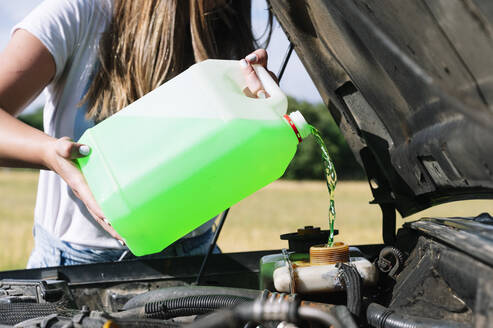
{"type": "Point", "coordinates": [59, 156]}
{"type": "Point", "coordinates": [254, 85]}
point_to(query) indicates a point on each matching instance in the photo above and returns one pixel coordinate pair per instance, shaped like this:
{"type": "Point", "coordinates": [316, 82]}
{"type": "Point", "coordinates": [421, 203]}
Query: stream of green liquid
{"type": "Point", "coordinates": [331, 179]}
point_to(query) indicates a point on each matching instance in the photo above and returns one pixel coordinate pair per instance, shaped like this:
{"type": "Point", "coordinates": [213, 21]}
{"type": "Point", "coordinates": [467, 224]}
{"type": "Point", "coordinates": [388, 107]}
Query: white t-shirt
{"type": "Point", "coordinates": [70, 30]}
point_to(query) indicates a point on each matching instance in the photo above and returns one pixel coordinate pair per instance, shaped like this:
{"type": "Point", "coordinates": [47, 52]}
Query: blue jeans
{"type": "Point", "coordinates": [50, 251]}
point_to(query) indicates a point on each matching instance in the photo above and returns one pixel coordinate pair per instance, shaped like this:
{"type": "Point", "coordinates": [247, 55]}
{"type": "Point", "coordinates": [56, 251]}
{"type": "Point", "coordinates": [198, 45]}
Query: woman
{"type": "Point", "coordinates": [95, 57]}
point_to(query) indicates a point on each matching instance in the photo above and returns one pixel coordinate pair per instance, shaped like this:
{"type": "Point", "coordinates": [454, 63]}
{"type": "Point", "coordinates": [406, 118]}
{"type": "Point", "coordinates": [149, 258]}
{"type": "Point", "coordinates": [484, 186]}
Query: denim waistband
{"type": "Point", "coordinates": [51, 251]}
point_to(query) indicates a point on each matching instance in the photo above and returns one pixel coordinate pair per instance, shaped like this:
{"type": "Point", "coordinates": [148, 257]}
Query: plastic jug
{"type": "Point", "coordinates": [186, 151]}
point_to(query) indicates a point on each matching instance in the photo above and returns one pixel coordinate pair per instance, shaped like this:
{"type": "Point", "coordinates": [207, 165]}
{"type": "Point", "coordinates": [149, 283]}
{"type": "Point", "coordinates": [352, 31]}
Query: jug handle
{"type": "Point", "coordinates": [272, 88]}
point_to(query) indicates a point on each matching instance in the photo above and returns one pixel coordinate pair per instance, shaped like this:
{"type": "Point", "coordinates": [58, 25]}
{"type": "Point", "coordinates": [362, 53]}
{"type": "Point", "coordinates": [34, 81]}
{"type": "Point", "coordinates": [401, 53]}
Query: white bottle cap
{"type": "Point", "coordinates": [301, 125]}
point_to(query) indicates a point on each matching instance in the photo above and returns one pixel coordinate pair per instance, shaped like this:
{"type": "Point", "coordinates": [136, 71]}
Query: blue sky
{"type": "Point", "coordinates": [295, 81]}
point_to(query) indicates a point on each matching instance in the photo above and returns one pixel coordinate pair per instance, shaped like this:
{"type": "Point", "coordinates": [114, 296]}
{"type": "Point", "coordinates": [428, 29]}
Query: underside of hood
{"type": "Point", "coordinates": [410, 84]}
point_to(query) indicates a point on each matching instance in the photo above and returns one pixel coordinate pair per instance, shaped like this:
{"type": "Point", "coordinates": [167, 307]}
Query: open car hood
{"type": "Point", "coordinates": [410, 84]}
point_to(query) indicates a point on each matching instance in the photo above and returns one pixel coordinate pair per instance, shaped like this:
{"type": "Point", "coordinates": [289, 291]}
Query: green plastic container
{"type": "Point", "coordinates": [186, 151]}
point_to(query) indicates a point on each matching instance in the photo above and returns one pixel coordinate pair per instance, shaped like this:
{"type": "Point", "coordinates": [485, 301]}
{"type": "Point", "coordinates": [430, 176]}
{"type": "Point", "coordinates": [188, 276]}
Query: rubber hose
{"type": "Point", "coordinates": [184, 291]}
{"type": "Point", "coordinates": [218, 319]}
{"type": "Point", "coordinates": [254, 311]}
{"type": "Point", "coordinates": [351, 279]}
{"type": "Point", "coordinates": [147, 323]}
{"type": "Point", "coordinates": [191, 305]}
{"type": "Point", "coordinates": [379, 316]}
{"type": "Point", "coordinates": [327, 319]}
{"type": "Point", "coordinates": [128, 323]}
{"type": "Point", "coordinates": [398, 257]}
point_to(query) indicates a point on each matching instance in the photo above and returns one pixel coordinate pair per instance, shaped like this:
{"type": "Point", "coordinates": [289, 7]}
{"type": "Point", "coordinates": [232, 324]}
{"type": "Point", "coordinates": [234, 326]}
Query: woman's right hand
{"type": "Point", "coordinates": [254, 85]}
{"type": "Point", "coordinates": [59, 157]}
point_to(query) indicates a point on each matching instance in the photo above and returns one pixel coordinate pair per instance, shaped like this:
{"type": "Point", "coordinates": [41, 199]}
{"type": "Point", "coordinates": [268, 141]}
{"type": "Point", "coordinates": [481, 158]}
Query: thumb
{"type": "Point", "coordinates": [79, 150]}
{"type": "Point", "coordinates": [68, 149]}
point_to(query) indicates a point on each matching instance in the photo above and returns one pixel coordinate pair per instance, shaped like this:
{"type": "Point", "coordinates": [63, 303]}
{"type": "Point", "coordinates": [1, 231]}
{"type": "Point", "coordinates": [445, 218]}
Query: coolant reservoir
{"type": "Point", "coordinates": [299, 247]}
{"type": "Point", "coordinates": [186, 151]}
{"type": "Point", "coordinates": [320, 273]}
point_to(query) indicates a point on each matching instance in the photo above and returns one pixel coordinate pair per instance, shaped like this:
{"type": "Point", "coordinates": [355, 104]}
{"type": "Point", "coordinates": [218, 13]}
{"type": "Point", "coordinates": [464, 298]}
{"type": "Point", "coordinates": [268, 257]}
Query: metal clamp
{"type": "Point", "coordinates": [292, 281]}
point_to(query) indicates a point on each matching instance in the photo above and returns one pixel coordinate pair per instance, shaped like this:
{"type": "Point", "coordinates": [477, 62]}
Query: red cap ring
{"type": "Point", "coordinates": [295, 129]}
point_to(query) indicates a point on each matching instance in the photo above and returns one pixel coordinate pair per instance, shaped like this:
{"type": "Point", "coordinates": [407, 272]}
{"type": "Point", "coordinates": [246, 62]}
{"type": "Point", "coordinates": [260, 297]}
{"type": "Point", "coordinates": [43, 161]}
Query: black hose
{"type": "Point", "coordinates": [325, 318]}
{"type": "Point", "coordinates": [271, 307]}
{"type": "Point", "coordinates": [390, 261]}
{"type": "Point", "coordinates": [218, 319]}
{"type": "Point", "coordinates": [147, 323]}
{"type": "Point", "coordinates": [244, 313]}
{"type": "Point", "coordinates": [184, 291]}
{"type": "Point", "coordinates": [351, 280]}
{"type": "Point", "coordinates": [191, 305]}
{"type": "Point", "coordinates": [381, 317]}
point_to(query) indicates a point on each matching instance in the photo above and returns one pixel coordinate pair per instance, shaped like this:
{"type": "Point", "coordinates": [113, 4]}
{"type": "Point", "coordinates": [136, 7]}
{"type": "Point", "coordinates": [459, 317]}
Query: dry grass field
{"type": "Point", "coordinates": [253, 224]}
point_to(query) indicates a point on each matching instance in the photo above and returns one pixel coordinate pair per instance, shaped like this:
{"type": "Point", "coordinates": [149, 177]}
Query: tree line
{"type": "Point", "coordinates": [307, 164]}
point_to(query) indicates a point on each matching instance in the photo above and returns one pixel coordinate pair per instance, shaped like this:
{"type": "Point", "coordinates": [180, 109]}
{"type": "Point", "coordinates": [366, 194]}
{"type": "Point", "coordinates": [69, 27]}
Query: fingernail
{"type": "Point", "coordinates": [107, 221]}
{"type": "Point", "coordinates": [252, 58]}
{"type": "Point", "coordinates": [84, 150]}
{"type": "Point", "coordinates": [261, 94]}
{"type": "Point", "coordinates": [243, 63]}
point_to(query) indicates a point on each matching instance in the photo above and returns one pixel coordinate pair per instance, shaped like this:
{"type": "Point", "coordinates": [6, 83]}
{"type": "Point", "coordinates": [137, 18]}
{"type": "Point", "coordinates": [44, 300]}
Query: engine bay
{"type": "Point", "coordinates": [414, 283]}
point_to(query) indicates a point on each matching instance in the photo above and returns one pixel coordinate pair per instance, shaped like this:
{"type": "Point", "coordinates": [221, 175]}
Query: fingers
{"type": "Point", "coordinates": [254, 84]}
{"type": "Point", "coordinates": [259, 56]}
{"type": "Point", "coordinates": [103, 222]}
{"type": "Point", "coordinates": [68, 149]}
{"type": "Point", "coordinates": [65, 151]}
{"type": "Point", "coordinates": [81, 190]}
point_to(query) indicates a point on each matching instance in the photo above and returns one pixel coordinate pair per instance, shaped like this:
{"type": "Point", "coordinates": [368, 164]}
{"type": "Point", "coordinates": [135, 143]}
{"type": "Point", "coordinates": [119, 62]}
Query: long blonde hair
{"type": "Point", "coordinates": [150, 41]}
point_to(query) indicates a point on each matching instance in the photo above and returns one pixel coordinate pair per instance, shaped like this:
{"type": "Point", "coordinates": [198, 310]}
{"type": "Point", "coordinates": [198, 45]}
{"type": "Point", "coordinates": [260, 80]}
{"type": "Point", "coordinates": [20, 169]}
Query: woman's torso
{"type": "Point", "coordinates": [70, 30]}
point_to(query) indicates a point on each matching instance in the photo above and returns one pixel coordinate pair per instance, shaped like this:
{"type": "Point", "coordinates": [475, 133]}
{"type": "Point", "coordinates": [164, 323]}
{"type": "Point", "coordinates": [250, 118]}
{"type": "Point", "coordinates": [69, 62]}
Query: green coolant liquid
{"type": "Point", "coordinates": [331, 179]}
{"type": "Point", "coordinates": [156, 179]}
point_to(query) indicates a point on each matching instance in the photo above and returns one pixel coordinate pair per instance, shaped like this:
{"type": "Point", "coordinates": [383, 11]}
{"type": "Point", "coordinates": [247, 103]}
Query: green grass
{"type": "Point", "coordinates": [17, 197]}
{"type": "Point", "coordinates": [253, 224]}
{"type": "Point", "coordinates": [282, 207]}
